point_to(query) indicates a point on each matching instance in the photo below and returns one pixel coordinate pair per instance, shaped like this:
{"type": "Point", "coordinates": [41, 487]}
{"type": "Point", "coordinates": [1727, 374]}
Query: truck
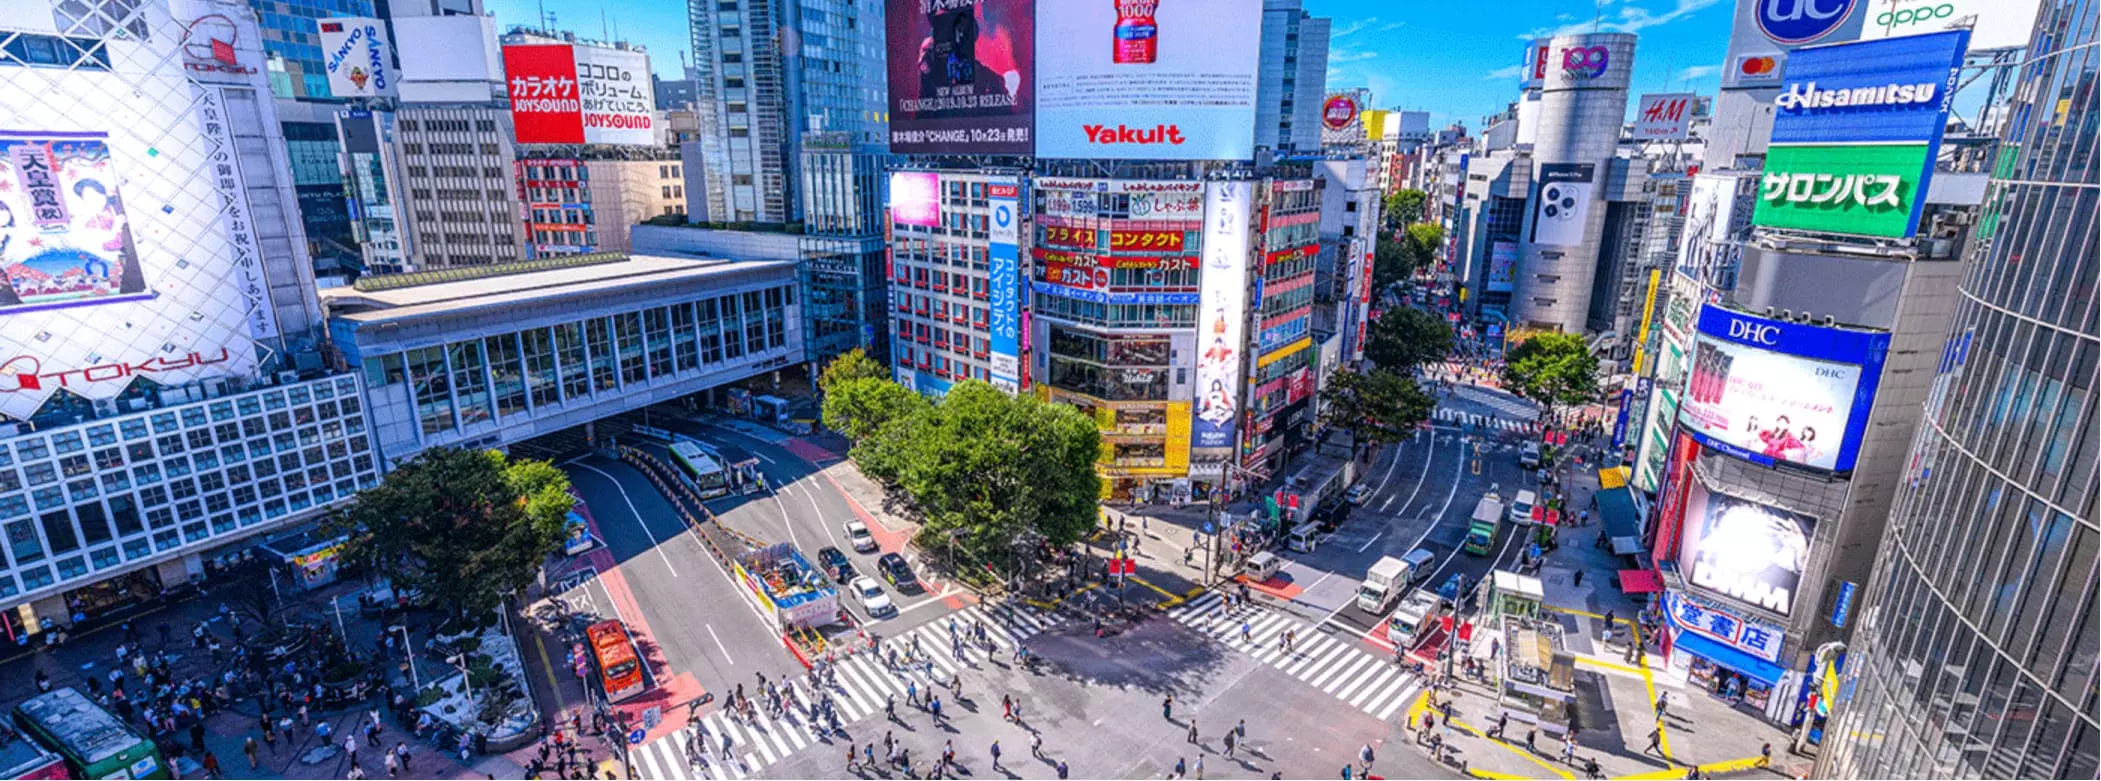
{"type": "Point", "coordinates": [1416, 616]}
{"type": "Point", "coordinates": [1382, 583]}
{"type": "Point", "coordinates": [1487, 520]}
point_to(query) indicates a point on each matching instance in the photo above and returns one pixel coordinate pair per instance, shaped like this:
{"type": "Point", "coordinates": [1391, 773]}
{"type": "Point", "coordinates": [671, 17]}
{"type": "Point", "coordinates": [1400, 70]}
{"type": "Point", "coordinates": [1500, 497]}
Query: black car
{"type": "Point", "coordinates": [896, 570]}
{"type": "Point", "coordinates": [1331, 514]}
{"type": "Point", "coordinates": [835, 565]}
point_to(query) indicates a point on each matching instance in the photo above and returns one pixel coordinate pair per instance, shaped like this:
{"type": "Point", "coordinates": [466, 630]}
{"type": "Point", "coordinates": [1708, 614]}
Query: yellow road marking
{"type": "Point", "coordinates": [1422, 704]}
{"type": "Point", "coordinates": [547, 667]}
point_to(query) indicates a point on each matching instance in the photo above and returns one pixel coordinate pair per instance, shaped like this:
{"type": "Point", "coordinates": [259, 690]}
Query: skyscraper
{"type": "Point", "coordinates": [1976, 640]}
{"type": "Point", "coordinates": [1293, 80]}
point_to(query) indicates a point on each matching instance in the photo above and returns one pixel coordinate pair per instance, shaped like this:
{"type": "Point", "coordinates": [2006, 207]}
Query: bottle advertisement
{"type": "Point", "coordinates": [1147, 79]}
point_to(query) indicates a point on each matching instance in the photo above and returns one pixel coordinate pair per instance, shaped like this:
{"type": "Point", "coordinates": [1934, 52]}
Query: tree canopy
{"type": "Point", "coordinates": [461, 527]}
{"type": "Point", "coordinates": [1405, 206]}
{"type": "Point", "coordinates": [854, 364]}
{"type": "Point", "coordinates": [1377, 407]}
{"type": "Point", "coordinates": [860, 407]}
{"type": "Point", "coordinates": [1552, 369]}
{"type": "Point", "coordinates": [1405, 337]}
{"type": "Point", "coordinates": [1398, 256]}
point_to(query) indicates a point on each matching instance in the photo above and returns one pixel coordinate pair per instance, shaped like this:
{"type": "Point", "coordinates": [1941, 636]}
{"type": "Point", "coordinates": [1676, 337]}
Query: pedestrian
{"type": "Point", "coordinates": [211, 766]}
{"type": "Point", "coordinates": [1006, 707]}
{"type": "Point", "coordinates": [1590, 768]}
{"type": "Point", "coordinates": [995, 753]}
{"type": "Point", "coordinates": [350, 747]}
{"type": "Point", "coordinates": [1655, 741]}
{"type": "Point", "coordinates": [197, 735]}
{"type": "Point", "coordinates": [393, 766]}
{"type": "Point", "coordinates": [1192, 730]}
{"type": "Point", "coordinates": [1036, 745]}
{"type": "Point", "coordinates": [1240, 730]}
{"type": "Point", "coordinates": [1365, 755]}
{"type": "Point", "coordinates": [1579, 577]}
{"type": "Point", "coordinates": [1765, 754]}
{"type": "Point", "coordinates": [1229, 743]}
{"type": "Point", "coordinates": [269, 738]}
{"type": "Point", "coordinates": [1062, 769]}
{"type": "Point", "coordinates": [1531, 738]}
{"type": "Point", "coordinates": [1181, 767]}
{"type": "Point", "coordinates": [1199, 767]}
{"type": "Point", "coordinates": [401, 752]}
{"type": "Point", "coordinates": [248, 748]}
{"type": "Point", "coordinates": [1502, 722]}
{"type": "Point", "coordinates": [1167, 708]}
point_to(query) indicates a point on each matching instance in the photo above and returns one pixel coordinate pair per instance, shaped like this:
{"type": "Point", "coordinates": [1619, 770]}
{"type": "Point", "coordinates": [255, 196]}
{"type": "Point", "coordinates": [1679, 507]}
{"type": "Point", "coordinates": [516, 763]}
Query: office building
{"type": "Point", "coordinates": [157, 410]}
{"type": "Point", "coordinates": [943, 304]}
{"type": "Point", "coordinates": [1292, 81]}
{"type": "Point", "coordinates": [578, 205]}
{"type": "Point", "coordinates": [1974, 643]}
{"type": "Point", "coordinates": [756, 98]}
{"type": "Point", "coordinates": [1580, 110]}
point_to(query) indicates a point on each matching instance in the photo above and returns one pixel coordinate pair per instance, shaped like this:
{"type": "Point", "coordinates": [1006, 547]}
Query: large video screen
{"type": "Point", "coordinates": [65, 239]}
{"type": "Point", "coordinates": [1776, 392]}
{"type": "Point", "coordinates": [1148, 80]}
{"type": "Point", "coordinates": [962, 76]}
{"type": "Point", "coordinates": [1747, 551]}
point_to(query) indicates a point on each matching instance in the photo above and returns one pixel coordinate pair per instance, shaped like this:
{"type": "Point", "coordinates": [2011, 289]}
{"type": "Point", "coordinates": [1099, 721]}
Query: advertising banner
{"type": "Point", "coordinates": [1343, 115]}
{"type": "Point", "coordinates": [247, 261]}
{"type": "Point", "coordinates": [1146, 240]}
{"type": "Point", "coordinates": [67, 241]}
{"type": "Point", "coordinates": [1089, 261]}
{"type": "Point", "coordinates": [1562, 205]}
{"type": "Point", "coordinates": [915, 198]}
{"type": "Point", "coordinates": [1772, 391]}
{"type": "Point", "coordinates": [1535, 64]}
{"type": "Point", "coordinates": [1222, 318]}
{"type": "Point", "coordinates": [962, 76]}
{"type": "Point", "coordinates": [1502, 262]}
{"type": "Point", "coordinates": [1765, 30]}
{"type": "Point", "coordinates": [1670, 517]}
{"type": "Point", "coordinates": [1003, 292]}
{"type": "Point", "coordinates": [564, 94]}
{"type": "Point", "coordinates": [1889, 91]}
{"type": "Point", "coordinates": [1664, 116]}
{"type": "Point", "coordinates": [1100, 296]}
{"type": "Point", "coordinates": [1167, 206]}
{"type": "Point", "coordinates": [1748, 551]}
{"type": "Point", "coordinates": [1590, 61]}
{"type": "Point", "coordinates": [357, 57]}
{"type": "Point", "coordinates": [1999, 24]}
{"type": "Point", "coordinates": [1161, 80]}
{"type": "Point", "coordinates": [1691, 614]}
{"type": "Point", "coordinates": [1071, 238]}
{"type": "Point", "coordinates": [1854, 190]}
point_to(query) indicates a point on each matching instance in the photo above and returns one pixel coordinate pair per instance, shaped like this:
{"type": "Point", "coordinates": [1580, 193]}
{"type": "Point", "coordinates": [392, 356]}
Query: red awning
{"type": "Point", "coordinates": [1553, 517]}
{"type": "Point", "coordinates": [1640, 581]}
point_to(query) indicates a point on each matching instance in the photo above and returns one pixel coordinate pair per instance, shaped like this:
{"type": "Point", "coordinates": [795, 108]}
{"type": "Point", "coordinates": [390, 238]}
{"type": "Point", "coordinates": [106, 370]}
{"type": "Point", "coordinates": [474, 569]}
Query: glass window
{"type": "Point", "coordinates": [628, 329]}
{"type": "Point", "coordinates": [538, 347]}
{"type": "Point", "coordinates": [22, 542]}
{"type": "Point", "coordinates": [598, 334]}
{"type": "Point", "coordinates": [431, 383]}
{"type": "Point", "coordinates": [58, 529]}
{"type": "Point", "coordinates": [507, 373]}
{"type": "Point", "coordinates": [468, 382]}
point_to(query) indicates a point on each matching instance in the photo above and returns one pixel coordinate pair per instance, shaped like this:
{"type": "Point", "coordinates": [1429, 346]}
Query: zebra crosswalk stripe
{"type": "Point", "coordinates": [1365, 681]}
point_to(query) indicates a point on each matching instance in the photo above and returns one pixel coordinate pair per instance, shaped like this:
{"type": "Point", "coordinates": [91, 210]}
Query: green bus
{"type": "Point", "coordinates": [93, 742]}
{"type": "Point", "coordinates": [701, 469]}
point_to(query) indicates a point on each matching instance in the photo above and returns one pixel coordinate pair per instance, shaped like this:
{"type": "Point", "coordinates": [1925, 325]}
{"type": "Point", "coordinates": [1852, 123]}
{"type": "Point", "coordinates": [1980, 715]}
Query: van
{"type": "Point", "coordinates": [1529, 456]}
{"type": "Point", "coordinates": [1521, 507]}
{"type": "Point", "coordinates": [1262, 566]}
{"type": "Point", "coordinates": [1305, 537]}
{"type": "Point", "coordinates": [1418, 561]}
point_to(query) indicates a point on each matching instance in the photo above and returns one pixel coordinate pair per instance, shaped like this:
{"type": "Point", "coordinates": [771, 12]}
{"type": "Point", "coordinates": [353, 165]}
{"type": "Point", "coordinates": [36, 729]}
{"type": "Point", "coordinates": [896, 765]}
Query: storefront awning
{"type": "Point", "coordinates": [1723, 656]}
{"type": "Point", "coordinates": [1640, 581]}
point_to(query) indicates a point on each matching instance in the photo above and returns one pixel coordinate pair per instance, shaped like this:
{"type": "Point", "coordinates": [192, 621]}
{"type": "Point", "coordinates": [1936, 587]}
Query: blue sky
{"type": "Point", "coordinates": [1457, 60]}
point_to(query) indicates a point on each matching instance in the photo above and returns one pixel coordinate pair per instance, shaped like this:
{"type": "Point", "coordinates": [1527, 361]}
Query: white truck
{"type": "Point", "coordinates": [1417, 612]}
{"type": "Point", "coordinates": [1382, 583]}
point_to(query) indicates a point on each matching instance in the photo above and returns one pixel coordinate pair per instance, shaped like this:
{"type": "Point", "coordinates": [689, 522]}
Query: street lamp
{"type": "Point", "coordinates": [408, 652]}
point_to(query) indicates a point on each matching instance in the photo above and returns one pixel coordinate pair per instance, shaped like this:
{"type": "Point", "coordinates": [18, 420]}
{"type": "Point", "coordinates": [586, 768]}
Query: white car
{"type": "Point", "coordinates": [1357, 493]}
{"type": "Point", "coordinates": [857, 533]}
{"type": "Point", "coordinates": [872, 597]}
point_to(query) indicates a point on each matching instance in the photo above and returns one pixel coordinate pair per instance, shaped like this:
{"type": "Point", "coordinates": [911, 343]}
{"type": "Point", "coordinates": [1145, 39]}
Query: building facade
{"type": "Point", "coordinates": [943, 304]}
{"type": "Point", "coordinates": [1580, 111]}
{"type": "Point", "coordinates": [1975, 643]}
{"type": "Point", "coordinates": [1292, 80]}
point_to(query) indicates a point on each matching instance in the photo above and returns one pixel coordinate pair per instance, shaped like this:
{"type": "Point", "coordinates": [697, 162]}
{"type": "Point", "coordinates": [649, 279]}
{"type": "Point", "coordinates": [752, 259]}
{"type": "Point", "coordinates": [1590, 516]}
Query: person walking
{"type": "Point", "coordinates": [1655, 741]}
{"type": "Point", "coordinates": [1036, 745]}
{"type": "Point", "coordinates": [1765, 754]}
{"type": "Point", "coordinates": [401, 753]}
{"type": "Point", "coordinates": [1192, 730]}
{"type": "Point", "coordinates": [1167, 708]}
{"type": "Point", "coordinates": [211, 766]}
{"type": "Point", "coordinates": [995, 754]}
{"type": "Point", "coordinates": [1229, 743]}
{"type": "Point", "coordinates": [248, 748]}
{"type": "Point", "coordinates": [1063, 771]}
{"type": "Point", "coordinates": [1181, 767]}
{"type": "Point", "coordinates": [393, 766]}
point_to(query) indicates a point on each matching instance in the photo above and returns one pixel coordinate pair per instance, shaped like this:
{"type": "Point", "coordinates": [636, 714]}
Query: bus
{"type": "Point", "coordinates": [92, 741]}
{"type": "Point", "coordinates": [619, 670]}
{"type": "Point", "coordinates": [701, 469]}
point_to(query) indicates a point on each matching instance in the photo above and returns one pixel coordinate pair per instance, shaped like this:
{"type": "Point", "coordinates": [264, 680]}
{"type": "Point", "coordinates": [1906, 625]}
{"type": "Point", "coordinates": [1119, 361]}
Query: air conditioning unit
{"type": "Point", "coordinates": [105, 407]}
{"type": "Point", "coordinates": [287, 378]}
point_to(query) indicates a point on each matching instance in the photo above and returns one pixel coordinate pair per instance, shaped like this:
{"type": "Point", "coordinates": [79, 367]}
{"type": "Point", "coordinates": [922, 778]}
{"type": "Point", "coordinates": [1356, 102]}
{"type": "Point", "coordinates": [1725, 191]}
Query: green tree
{"type": "Point", "coordinates": [1405, 337]}
{"type": "Point", "coordinates": [1376, 407]}
{"type": "Point", "coordinates": [461, 527]}
{"type": "Point", "coordinates": [1400, 255]}
{"type": "Point", "coordinates": [1422, 240]}
{"type": "Point", "coordinates": [854, 364]}
{"type": "Point", "coordinates": [861, 406]}
{"type": "Point", "coordinates": [987, 469]}
{"type": "Point", "coordinates": [1553, 369]}
{"type": "Point", "coordinates": [1405, 206]}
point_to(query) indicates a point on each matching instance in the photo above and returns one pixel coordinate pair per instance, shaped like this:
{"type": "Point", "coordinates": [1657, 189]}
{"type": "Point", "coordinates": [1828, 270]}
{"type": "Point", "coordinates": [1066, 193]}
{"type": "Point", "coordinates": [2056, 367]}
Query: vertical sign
{"type": "Point", "coordinates": [1221, 317]}
{"type": "Point", "coordinates": [1843, 608]}
{"type": "Point", "coordinates": [224, 170]}
{"type": "Point", "coordinates": [1004, 286]}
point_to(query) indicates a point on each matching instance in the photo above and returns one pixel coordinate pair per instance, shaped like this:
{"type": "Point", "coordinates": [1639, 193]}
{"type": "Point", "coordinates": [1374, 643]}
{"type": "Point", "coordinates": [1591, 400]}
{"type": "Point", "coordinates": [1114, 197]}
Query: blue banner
{"type": "Point", "coordinates": [1843, 608]}
{"type": "Point", "coordinates": [1894, 90]}
{"type": "Point", "coordinates": [1003, 289]}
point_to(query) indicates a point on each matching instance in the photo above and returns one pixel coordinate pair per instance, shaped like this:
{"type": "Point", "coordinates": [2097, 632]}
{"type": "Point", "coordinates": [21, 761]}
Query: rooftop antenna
{"type": "Point", "coordinates": [602, 33]}
{"type": "Point", "coordinates": [543, 14]}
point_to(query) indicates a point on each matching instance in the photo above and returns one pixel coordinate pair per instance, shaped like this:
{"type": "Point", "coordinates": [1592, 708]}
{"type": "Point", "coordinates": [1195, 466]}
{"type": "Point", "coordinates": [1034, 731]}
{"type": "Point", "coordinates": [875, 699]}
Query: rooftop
{"type": "Point", "coordinates": [439, 293]}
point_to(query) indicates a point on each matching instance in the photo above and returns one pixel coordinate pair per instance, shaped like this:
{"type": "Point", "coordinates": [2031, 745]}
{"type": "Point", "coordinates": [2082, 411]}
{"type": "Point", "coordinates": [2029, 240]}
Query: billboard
{"type": "Point", "coordinates": [1562, 206]}
{"type": "Point", "coordinates": [1534, 66]}
{"type": "Point", "coordinates": [915, 198]}
{"type": "Point", "coordinates": [1502, 264]}
{"type": "Point", "coordinates": [357, 57]}
{"type": "Point", "coordinates": [1710, 208]}
{"type": "Point", "coordinates": [216, 48]}
{"type": "Point", "coordinates": [1748, 551]}
{"type": "Point", "coordinates": [569, 94]}
{"type": "Point", "coordinates": [1003, 288]}
{"type": "Point", "coordinates": [1779, 392]}
{"type": "Point", "coordinates": [1665, 116]}
{"type": "Point", "coordinates": [1160, 81]}
{"type": "Point", "coordinates": [1764, 31]}
{"type": "Point", "coordinates": [1999, 24]}
{"type": "Point", "coordinates": [962, 76]}
{"type": "Point", "coordinates": [66, 240]}
{"type": "Point", "coordinates": [1889, 91]}
{"type": "Point", "coordinates": [1222, 317]}
{"type": "Point", "coordinates": [1691, 614]}
{"type": "Point", "coordinates": [1343, 115]}
{"type": "Point", "coordinates": [1588, 61]}
{"type": "Point", "coordinates": [1854, 190]}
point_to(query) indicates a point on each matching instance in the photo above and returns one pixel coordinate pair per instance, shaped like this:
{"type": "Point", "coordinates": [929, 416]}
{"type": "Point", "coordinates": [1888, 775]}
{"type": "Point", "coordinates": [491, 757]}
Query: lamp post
{"type": "Point", "coordinates": [408, 653]}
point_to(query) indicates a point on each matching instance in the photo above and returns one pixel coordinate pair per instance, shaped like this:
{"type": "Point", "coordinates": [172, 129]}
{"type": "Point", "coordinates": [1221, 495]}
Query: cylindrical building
{"type": "Point", "coordinates": [1582, 103]}
{"type": "Point", "coordinates": [1974, 654]}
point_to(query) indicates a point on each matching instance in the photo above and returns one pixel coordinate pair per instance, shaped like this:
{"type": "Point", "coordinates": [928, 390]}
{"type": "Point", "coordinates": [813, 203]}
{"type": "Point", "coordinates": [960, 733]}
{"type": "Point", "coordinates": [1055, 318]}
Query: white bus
{"type": "Point", "coordinates": [700, 469]}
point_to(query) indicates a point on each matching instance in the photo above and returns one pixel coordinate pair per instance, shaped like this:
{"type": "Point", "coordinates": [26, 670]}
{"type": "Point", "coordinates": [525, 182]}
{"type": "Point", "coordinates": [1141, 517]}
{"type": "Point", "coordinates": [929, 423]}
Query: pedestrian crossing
{"type": "Point", "coordinates": [1455, 417]}
{"type": "Point", "coordinates": [1366, 681]}
{"type": "Point", "coordinates": [737, 749]}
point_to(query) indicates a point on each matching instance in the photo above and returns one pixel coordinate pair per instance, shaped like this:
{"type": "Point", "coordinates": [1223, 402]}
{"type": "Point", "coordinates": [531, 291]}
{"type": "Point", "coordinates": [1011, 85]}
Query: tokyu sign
{"type": "Point", "coordinates": [1870, 190]}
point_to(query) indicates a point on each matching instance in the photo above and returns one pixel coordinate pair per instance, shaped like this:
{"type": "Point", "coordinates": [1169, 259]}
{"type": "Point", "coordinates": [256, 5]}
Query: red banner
{"type": "Point", "coordinates": [1160, 240]}
{"type": "Point", "coordinates": [1163, 262]}
{"type": "Point", "coordinates": [1294, 253]}
{"type": "Point", "coordinates": [545, 106]}
{"type": "Point", "coordinates": [1070, 275]}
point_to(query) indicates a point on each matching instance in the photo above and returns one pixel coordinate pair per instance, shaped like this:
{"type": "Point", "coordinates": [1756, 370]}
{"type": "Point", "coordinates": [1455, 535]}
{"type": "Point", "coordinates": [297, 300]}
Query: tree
{"type": "Point", "coordinates": [854, 364]}
{"type": "Point", "coordinates": [1405, 206]}
{"type": "Point", "coordinates": [1405, 337]}
{"type": "Point", "coordinates": [861, 406]}
{"type": "Point", "coordinates": [1397, 256]}
{"type": "Point", "coordinates": [461, 527]}
{"type": "Point", "coordinates": [1376, 407]}
{"type": "Point", "coordinates": [1552, 369]}
{"type": "Point", "coordinates": [1422, 240]}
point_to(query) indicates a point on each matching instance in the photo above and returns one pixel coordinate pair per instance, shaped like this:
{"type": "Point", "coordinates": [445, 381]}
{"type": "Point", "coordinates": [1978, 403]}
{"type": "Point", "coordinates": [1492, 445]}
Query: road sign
{"type": "Point", "coordinates": [652, 717]}
{"type": "Point", "coordinates": [635, 738]}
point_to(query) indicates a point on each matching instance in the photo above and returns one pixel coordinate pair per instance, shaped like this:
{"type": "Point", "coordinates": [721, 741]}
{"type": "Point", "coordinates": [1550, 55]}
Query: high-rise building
{"type": "Point", "coordinates": [766, 72]}
{"type": "Point", "coordinates": [578, 205]}
{"type": "Point", "coordinates": [945, 304]}
{"type": "Point", "coordinates": [1580, 109]}
{"type": "Point", "coordinates": [1975, 642]}
{"type": "Point", "coordinates": [1292, 80]}
{"type": "Point", "coordinates": [156, 403]}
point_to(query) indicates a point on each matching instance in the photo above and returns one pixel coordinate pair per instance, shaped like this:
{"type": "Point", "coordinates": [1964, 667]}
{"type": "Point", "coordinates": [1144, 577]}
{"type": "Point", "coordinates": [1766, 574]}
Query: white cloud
{"type": "Point", "coordinates": [1389, 26]}
{"type": "Point", "coordinates": [1348, 56]}
{"type": "Point", "coordinates": [1628, 19]}
{"type": "Point", "coordinates": [1698, 72]}
{"type": "Point", "coordinates": [1505, 74]}
{"type": "Point", "coordinates": [1354, 27]}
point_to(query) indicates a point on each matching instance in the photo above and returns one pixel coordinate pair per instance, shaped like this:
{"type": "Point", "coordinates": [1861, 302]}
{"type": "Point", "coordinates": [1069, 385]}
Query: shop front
{"type": "Point", "coordinates": [312, 558]}
{"type": "Point", "coordinates": [1729, 656]}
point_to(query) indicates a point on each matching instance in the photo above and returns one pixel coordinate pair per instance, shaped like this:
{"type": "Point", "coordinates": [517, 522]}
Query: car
{"type": "Point", "coordinates": [857, 534]}
{"type": "Point", "coordinates": [898, 571]}
{"type": "Point", "coordinates": [873, 599]}
{"type": "Point", "coordinates": [1454, 587]}
{"type": "Point", "coordinates": [1331, 514]}
{"type": "Point", "coordinates": [835, 564]}
{"type": "Point", "coordinates": [1357, 493]}
{"type": "Point", "coordinates": [1529, 456]}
